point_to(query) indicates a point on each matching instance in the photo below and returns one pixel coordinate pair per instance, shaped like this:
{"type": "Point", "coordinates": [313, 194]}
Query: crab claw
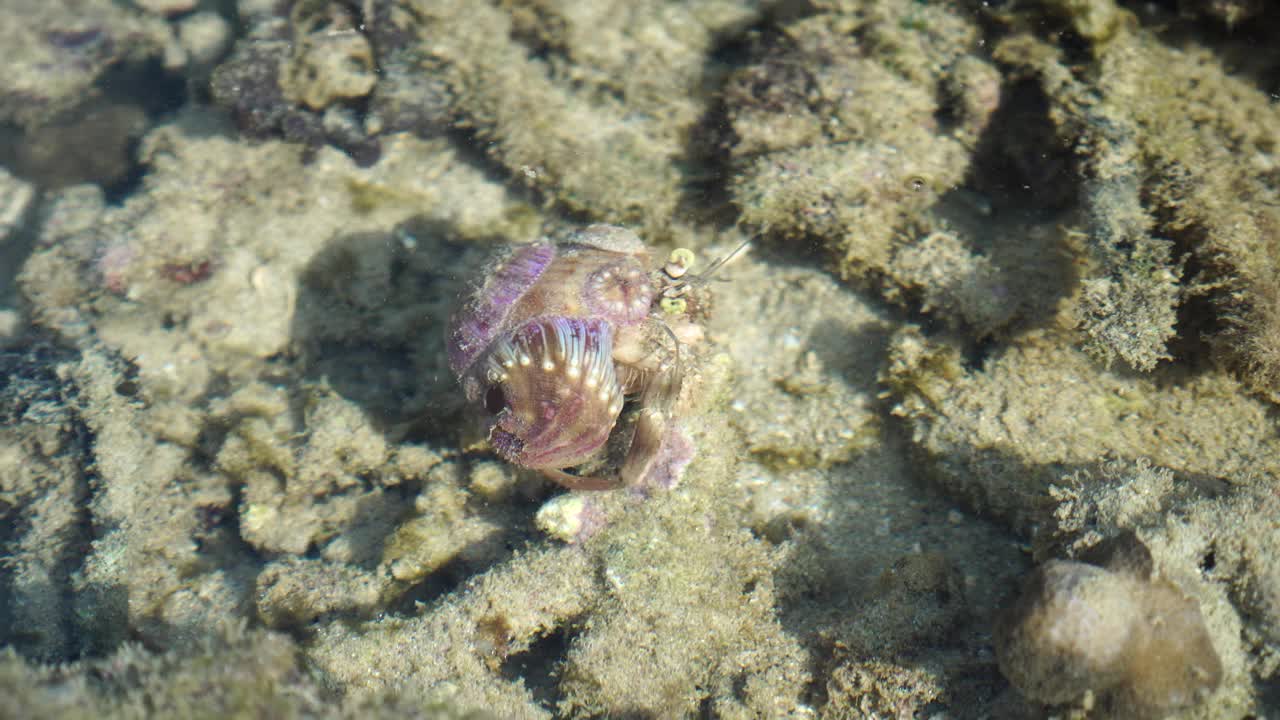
{"type": "Point", "coordinates": [659, 449]}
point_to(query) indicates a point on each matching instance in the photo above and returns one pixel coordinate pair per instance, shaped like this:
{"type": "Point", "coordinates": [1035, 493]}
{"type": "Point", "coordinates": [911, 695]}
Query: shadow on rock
{"type": "Point", "coordinates": [371, 319]}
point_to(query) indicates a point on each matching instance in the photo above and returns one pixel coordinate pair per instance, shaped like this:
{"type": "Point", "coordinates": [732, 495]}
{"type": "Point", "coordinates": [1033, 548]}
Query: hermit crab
{"type": "Point", "coordinates": [558, 336]}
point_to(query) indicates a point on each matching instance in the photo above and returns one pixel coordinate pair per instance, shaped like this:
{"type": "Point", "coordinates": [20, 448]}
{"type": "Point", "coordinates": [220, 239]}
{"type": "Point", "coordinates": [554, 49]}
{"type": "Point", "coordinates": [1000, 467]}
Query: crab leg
{"type": "Point", "coordinates": [659, 389]}
{"type": "Point", "coordinates": [657, 402]}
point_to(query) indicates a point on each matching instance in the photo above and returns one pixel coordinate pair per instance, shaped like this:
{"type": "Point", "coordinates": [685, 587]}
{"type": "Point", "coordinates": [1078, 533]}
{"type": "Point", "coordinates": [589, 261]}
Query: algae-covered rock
{"type": "Point", "coordinates": [161, 564]}
{"type": "Point", "coordinates": [185, 468]}
{"type": "Point", "coordinates": [1161, 129]}
{"type": "Point", "coordinates": [236, 672]}
{"type": "Point", "coordinates": [1211, 538]}
{"type": "Point", "coordinates": [586, 604]}
{"type": "Point", "coordinates": [299, 72]}
{"type": "Point", "coordinates": [725, 630]}
{"type": "Point", "coordinates": [840, 139]}
{"type": "Point", "coordinates": [444, 528]}
{"type": "Point", "coordinates": [600, 124]}
{"type": "Point", "coordinates": [94, 145]}
{"type": "Point", "coordinates": [590, 104]}
{"type": "Point", "coordinates": [999, 436]}
{"type": "Point", "coordinates": [455, 649]}
{"type": "Point", "coordinates": [330, 61]}
{"type": "Point", "coordinates": [253, 220]}
{"type": "Point", "coordinates": [57, 50]}
{"type": "Point", "coordinates": [295, 591]}
{"type": "Point", "coordinates": [804, 403]}
{"type": "Point", "coordinates": [871, 688]}
{"type": "Point", "coordinates": [252, 417]}
{"type": "Point", "coordinates": [876, 132]}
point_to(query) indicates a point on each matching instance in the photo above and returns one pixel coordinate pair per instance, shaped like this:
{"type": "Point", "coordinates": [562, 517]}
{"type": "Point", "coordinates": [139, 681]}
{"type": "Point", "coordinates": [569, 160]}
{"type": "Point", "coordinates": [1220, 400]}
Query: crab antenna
{"type": "Point", "coordinates": [720, 261]}
{"type": "Point", "coordinates": [675, 346]}
{"type": "Point", "coordinates": [712, 268]}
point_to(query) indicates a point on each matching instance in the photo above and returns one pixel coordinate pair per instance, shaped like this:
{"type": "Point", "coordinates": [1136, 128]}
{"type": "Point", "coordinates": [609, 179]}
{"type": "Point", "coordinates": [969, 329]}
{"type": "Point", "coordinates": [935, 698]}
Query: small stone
{"type": "Point", "coordinates": [1116, 632]}
{"type": "Point", "coordinates": [561, 517]}
{"type": "Point", "coordinates": [16, 198]}
{"type": "Point", "coordinates": [1068, 632]}
{"type": "Point", "coordinates": [492, 481]}
{"type": "Point", "coordinates": [11, 327]}
{"type": "Point", "coordinates": [166, 8]}
{"type": "Point", "coordinates": [205, 36]}
{"type": "Point", "coordinates": [415, 461]}
{"type": "Point", "coordinates": [94, 146]}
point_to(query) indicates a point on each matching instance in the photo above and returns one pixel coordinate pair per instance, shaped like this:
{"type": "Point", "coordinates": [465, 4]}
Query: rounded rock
{"type": "Point", "coordinates": [1068, 632]}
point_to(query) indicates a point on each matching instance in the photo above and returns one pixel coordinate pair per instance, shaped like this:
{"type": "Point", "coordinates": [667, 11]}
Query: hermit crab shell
{"type": "Point", "coordinates": [534, 345]}
{"type": "Point", "coordinates": [553, 388]}
{"type": "Point", "coordinates": [488, 314]}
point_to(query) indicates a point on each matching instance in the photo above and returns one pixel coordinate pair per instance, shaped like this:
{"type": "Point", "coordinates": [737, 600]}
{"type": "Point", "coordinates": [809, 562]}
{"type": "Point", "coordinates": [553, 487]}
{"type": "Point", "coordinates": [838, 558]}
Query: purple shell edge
{"type": "Point", "coordinates": [483, 317]}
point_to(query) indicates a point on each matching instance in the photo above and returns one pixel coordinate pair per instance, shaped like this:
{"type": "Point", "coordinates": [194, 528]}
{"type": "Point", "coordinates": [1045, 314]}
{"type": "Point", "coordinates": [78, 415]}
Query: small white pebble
{"type": "Point", "coordinates": [561, 517]}
{"type": "Point", "coordinates": [205, 36]}
{"type": "Point", "coordinates": [11, 326]}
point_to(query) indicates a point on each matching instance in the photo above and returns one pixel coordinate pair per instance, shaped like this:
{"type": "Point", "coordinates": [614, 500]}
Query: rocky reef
{"type": "Point", "coordinates": [982, 419]}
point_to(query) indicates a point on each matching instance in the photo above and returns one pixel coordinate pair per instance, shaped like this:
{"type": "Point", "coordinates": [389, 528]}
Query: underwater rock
{"type": "Point", "coordinates": [804, 404]}
{"type": "Point", "coordinates": [1181, 236]}
{"type": "Point", "coordinates": [294, 591]}
{"type": "Point", "coordinates": [330, 60]}
{"type": "Point", "coordinates": [294, 77]}
{"type": "Point", "coordinates": [1117, 632]}
{"type": "Point", "coordinates": [94, 146]}
{"type": "Point", "coordinates": [56, 51]}
{"type": "Point", "coordinates": [874, 131]}
{"type": "Point", "coordinates": [1000, 435]}
{"type": "Point", "coordinates": [248, 85]}
{"type": "Point", "coordinates": [205, 37]}
{"type": "Point", "coordinates": [639, 82]}
{"type": "Point", "coordinates": [914, 603]}
{"type": "Point", "coordinates": [1068, 632]}
{"type": "Point", "coordinates": [860, 689]}
{"type": "Point", "coordinates": [816, 155]}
